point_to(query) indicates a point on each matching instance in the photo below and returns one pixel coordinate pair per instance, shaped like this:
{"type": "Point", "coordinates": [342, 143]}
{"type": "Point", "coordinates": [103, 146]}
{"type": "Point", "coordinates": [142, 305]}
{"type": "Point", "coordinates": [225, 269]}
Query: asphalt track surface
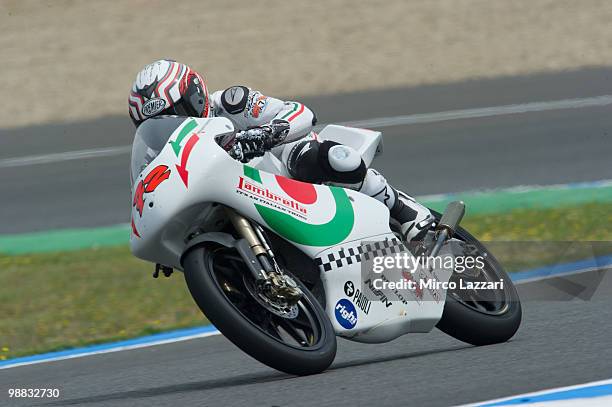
{"type": "Point", "coordinates": [561, 342]}
{"type": "Point", "coordinates": [533, 148]}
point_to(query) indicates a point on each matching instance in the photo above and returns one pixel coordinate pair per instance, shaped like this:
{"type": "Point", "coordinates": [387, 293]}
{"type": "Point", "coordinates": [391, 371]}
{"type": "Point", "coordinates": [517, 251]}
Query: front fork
{"type": "Point", "coordinates": [260, 257]}
{"type": "Point", "coordinates": [257, 243]}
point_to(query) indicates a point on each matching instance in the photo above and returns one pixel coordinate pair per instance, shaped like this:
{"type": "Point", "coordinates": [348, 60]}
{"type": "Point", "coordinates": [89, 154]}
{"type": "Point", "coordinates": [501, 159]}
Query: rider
{"type": "Point", "coordinates": [167, 87]}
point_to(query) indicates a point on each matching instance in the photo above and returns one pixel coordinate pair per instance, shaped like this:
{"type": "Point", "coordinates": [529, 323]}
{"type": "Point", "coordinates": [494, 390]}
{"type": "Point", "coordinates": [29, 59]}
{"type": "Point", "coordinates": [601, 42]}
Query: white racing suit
{"type": "Point", "coordinates": [318, 161]}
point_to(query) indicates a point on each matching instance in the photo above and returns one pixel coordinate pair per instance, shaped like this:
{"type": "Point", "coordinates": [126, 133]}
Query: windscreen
{"type": "Point", "coordinates": [150, 138]}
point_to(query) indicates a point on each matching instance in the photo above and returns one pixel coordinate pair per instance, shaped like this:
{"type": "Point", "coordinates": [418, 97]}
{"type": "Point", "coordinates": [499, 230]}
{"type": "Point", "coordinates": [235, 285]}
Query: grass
{"type": "Point", "coordinates": [61, 300]}
{"type": "Point", "coordinates": [53, 301]}
{"type": "Point", "coordinates": [524, 238]}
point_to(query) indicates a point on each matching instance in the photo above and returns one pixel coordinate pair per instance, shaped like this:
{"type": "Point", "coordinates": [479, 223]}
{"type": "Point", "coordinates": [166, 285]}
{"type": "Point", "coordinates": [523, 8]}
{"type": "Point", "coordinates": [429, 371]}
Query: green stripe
{"type": "Point", "coordinates": [295, 108]}
{"type": "Point", "coordinates": [252, 173]}
{"type": "Point", "coordinates": [487, 202]}
{"type": "Point", "coordinates": [500, 201]}
{"type": "Point", "coordinates": [65, 239]}
{"type": "Point", "coordinates": [325, 234]}
{"type": "Point", "coordinates": [176, 144]}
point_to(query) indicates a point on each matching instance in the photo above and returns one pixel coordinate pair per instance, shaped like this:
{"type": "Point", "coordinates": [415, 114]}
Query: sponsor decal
{"type": "Point", "coordinates": [395, 290]}
{"type": "Point", "coordinates": [418, 285]}
{"type": "Point", "coordinates": [357, 296]}
{"type": "Point", "coordinates": [285, 224]}
{"type": "Point", "coordinates": [269, 197]}
{"type": "Point", "coordinates": [149, 184]}
{"type": "Point", "coordinates": [362, 302]}
{"type": "Point", "coordinates": [349, 288]}
{"type": "Point", "coordinates": [418, 291]}
{"type": "Point", "coordinates": [346, 314]}
{"type": "Point", "coordinates": [378, 293]}
{"type": "Point", "coordinates": [153, 106]}
{"type": "Point", "coordinates": [257, 104]}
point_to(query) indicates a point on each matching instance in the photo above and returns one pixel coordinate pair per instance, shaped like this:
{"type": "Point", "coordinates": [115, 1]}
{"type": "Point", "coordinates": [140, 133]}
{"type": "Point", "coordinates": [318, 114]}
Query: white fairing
{"type": "Point", "coordinates": [368, 143]}
{"type": "Point", "coordinates": [174, 197]}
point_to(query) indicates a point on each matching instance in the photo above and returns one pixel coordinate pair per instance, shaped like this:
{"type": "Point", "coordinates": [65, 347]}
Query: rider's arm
{"type": "Point", "coordinates": [301, 120]}
{"type": "Point", "coordinates": [249, 108]}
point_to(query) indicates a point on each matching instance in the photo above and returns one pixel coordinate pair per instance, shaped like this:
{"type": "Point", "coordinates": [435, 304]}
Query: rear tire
{"type": "Point", "coordinates": [474, 326]}
{"type": "Point", "coordinates": [241, 325]}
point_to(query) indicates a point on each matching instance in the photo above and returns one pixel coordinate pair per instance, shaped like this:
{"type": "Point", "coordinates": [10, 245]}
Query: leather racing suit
{"type": "Point", "coordinates": [309, 159]}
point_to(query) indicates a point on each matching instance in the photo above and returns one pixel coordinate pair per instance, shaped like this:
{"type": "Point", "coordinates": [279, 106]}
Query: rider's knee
{"type": "Point", "coordinates": [326, 161]}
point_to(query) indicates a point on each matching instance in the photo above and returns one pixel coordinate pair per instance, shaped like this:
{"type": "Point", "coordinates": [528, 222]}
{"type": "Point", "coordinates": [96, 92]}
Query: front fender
{"type": "Point", "coordinates": [212, 239]}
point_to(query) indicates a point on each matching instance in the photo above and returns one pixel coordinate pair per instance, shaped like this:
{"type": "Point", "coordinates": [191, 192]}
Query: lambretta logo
{"type": "Point", "coordinates": [153, 106]}
{"type": "Point", "coordinates": [266, 194]}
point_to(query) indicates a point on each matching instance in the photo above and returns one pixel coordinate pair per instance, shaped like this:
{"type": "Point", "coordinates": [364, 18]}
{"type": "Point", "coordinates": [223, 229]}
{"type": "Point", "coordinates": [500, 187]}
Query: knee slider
{"type": "Point", "coordinates": [341, 163]}
{"type": "Point", "coordinates": [303, 162]}
{"type": "Point", "coordinates": [328, 161]}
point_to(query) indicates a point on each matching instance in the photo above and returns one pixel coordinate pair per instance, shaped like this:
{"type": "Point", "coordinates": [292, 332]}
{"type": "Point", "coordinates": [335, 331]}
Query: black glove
{"type": "Point", "coordinates": [254, 142]}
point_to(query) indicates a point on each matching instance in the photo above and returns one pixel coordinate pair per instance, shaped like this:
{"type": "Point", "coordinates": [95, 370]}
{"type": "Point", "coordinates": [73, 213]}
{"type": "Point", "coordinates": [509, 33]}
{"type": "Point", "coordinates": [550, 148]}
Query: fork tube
{"type": "Point", "coordinates": [244, 229]}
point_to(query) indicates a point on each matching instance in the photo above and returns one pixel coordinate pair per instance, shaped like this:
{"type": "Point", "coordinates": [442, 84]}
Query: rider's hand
{"type": "Point", "coordinates": [254, 142]}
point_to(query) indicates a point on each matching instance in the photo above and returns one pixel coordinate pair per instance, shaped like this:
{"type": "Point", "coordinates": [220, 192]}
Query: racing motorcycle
{"type": "Point", "coordinates": [277, 264]}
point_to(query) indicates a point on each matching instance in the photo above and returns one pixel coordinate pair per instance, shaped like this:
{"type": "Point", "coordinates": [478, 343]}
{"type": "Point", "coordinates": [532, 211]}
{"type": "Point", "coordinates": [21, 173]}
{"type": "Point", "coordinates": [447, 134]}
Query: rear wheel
{"type": "Point", "coordinates": [481, 317]}
{"type": "Point", "coordinates": [297, 339]}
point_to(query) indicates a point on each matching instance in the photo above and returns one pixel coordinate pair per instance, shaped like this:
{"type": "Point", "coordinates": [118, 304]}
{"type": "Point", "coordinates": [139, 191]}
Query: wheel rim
{"type": "Point", "coordinates": [490, 301]}
{"type": "Point", "coordinates": [304, 331]}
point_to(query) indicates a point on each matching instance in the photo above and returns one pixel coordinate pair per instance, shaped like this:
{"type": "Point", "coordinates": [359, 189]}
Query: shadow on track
{"type": "Point", "coordinates": [391, 358]}
{"type": "Point", "coordinates": [234, 381]}
{"type": "Point", "coordinates": [240, 380]}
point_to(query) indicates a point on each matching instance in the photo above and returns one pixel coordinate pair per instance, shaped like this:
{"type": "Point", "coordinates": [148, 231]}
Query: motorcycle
{"type": "Point", "coordinates": [277, 265]}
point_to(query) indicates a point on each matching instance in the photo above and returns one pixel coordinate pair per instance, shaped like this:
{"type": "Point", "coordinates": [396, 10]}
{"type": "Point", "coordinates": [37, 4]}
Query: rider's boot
{"type": "Point", "coordinates": [414, 218]}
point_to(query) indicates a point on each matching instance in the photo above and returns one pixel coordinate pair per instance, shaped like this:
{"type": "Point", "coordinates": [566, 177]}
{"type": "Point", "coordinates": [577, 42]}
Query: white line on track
{"type": "Point", "coordinates": [85, 352]}
{"type": "Point", "coordinates": [424, 118]}
{"type": "Point", "coordinates": [523, 399]}
{"type": "Point", "coordinates": [380, 122]}
{"type": "Point", "coordinates": [65, 156]}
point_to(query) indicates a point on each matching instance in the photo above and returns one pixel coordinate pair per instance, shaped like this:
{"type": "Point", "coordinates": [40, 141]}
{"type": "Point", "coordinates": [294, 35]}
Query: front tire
{"type": "Point", "coordinates": [215, 278]}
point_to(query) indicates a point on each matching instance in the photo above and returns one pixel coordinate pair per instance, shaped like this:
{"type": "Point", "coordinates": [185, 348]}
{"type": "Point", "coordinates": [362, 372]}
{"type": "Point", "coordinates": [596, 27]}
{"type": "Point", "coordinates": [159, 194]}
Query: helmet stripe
{"type": "Point", "coordinates": [136, 99]}
{"type": "Point", "coordinates": [134, 112]}
{"type": "Point", "coordinates": [173, 90]}
{"type": "Point", "coordinates": [163, 79]}
{"type": "Point", "coordinates": [162, 87]}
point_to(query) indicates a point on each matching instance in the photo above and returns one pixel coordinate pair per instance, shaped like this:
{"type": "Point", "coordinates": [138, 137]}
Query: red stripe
{"type": "Point", "coordinates": [138, 96]}
{"type": "Point", "coordinates": [164, 85]}
{"type": "Point", "coordinates": [296, 114]}
{"type": "Point", "coordinates": [172, 83]}
{"type": "Point", "coordinates": [163, 79]}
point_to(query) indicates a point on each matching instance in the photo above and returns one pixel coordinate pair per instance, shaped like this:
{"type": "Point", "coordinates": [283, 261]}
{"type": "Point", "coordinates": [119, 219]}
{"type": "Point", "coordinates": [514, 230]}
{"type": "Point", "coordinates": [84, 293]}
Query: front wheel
{"type": "Point", "coordinates": [296, 339]}
{"type": "Point", "coordinates": [476, 317]}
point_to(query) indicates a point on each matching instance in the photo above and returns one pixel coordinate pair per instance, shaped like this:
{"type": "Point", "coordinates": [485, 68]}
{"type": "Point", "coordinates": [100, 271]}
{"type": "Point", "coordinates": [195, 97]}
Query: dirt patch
{"type": "Point", "coordinates": [66, 60]}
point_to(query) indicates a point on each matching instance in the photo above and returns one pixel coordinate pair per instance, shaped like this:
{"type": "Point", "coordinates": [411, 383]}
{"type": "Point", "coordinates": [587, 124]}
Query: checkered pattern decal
{"type": "Point", "coordinates": [364, 251]}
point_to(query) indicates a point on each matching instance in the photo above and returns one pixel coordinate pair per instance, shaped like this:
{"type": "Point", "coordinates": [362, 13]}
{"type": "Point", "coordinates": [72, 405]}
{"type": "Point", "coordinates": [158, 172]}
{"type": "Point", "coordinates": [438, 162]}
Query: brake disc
{"type": "Point", "coordinates": [282, 309]}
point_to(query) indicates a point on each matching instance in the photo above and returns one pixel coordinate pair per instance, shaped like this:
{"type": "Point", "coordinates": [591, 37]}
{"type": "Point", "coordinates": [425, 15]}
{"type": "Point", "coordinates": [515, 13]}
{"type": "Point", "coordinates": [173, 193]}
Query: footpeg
{"type": "Point", "coordinates": [164, 269]}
